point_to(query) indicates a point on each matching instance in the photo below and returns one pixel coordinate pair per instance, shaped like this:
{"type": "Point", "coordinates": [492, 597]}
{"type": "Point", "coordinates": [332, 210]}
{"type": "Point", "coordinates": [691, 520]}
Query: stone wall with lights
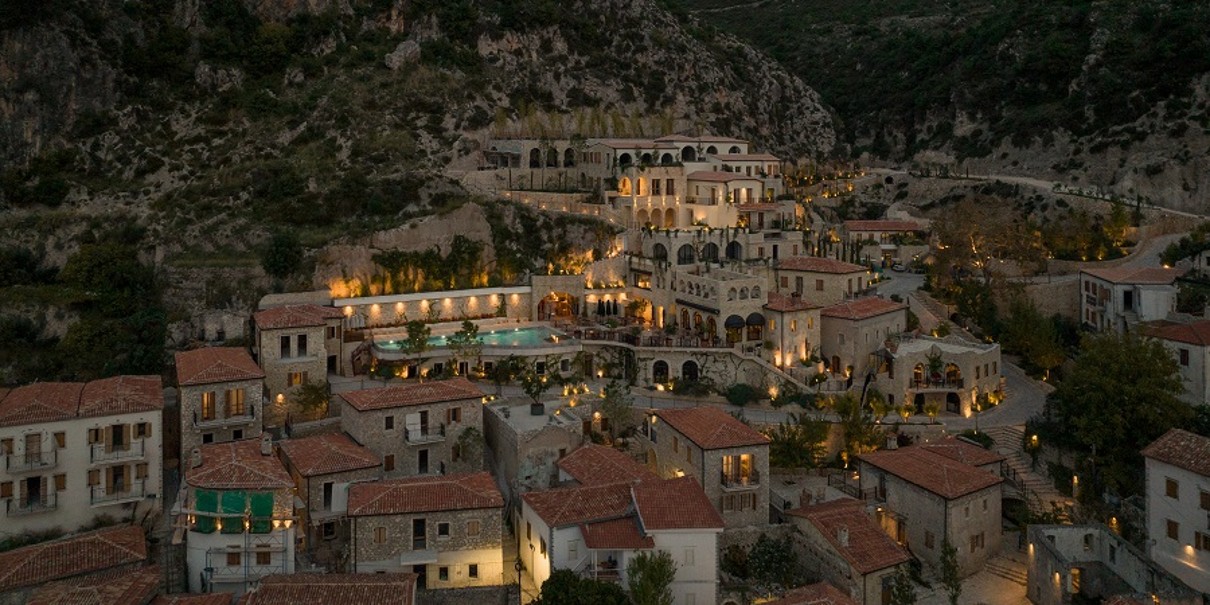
{"type": "Point", "coordinates": [453, 305]}
{"type": "Point", "coordinates": [456, 552]}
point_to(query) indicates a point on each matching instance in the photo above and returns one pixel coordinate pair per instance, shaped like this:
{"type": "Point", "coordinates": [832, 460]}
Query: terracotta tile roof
{"type": "Point", "coordinates": [84, 553]}
{"type": "Point", "coordinates": [821, 593]}
{"type": "Point", "coordinates": [782, 303]}
{"type": "Point", "coordinates": [212, 598]}
{"type": "Point", "coordinates": [962, 451]}
{"type": "Point", "coordinates": [215, 364]}
{"type": "Point", "coordinates": [1136, 275]}
{"type": "Point", "coordinates": [424, 494]}
{"type": "Point", "coordinates": [869, 547]}
{"type": "Point", "coordinates": [882, 226]}
{"type": "Point", "coordinates": [675, 504]}
{"type": "Point", "coordinates": [719, 177]}
{"type": "Point", "coordinates": [943, 476]}
{"type": "Point", "coordinates": [122, 395]}
{"type": "Point", "coordinates": [817, 264]}
{"type": "Point", "coordinates": [595, 464]}
{"type": "Point", "coordinates": [1196, 333]}
{"type": "Point", "coordinates": [295, 316]}
{"type": "Point", "coordinates": [334, 589]}
{"type": "Point", "coordinates": [747, 157]}
{"type": "Point", "coordinates": [711, 428]}
{"type": "Point", "coordinates": [575, 505]}
{"type": "Point", "coordinates": [1183, 449]}
{"type": "Point", "coordinates": [862, 308]}
{"type": "Point", "coordinates": [615, 534]}
{"type": "Point", "coordinates": [238, 465]}
{"type": "Point", "coordinates": [40, 402]}
{"type": "Point", "coordinates": [400, 395]}
{"type": "Point", "coordinates": [328, 453]}
{"type": "Point", "coordinates": [121, 587]}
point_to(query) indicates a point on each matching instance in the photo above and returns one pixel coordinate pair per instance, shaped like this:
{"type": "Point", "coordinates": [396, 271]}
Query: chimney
{"type": "Point", "coordinates": [195, 457]}
{"type": "Point", "coordinates": [892, 441]}
{"type": "Point", "coordinates": [842, 536]}
{"type": "Point", "coordinates": [804, 497]}
{"type": "Point", "coordinates": [266, 444]}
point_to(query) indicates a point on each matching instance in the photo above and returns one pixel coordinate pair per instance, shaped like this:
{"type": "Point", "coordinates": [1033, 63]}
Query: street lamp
{"type": "Point", "coordinates": [520, 593]}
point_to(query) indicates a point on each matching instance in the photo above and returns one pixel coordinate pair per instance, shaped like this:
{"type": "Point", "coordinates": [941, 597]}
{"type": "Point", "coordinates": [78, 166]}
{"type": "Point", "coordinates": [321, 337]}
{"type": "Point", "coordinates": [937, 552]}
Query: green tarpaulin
{"type": "Point", "coordinates": [262, 512]}
{"type": "Point", "coordinates": [207, 501]}
{"type": "Point", "coordinates": [234, 505]}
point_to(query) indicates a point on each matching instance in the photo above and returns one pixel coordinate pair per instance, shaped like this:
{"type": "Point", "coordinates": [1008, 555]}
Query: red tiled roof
{"type": "Point", "coordinates": [333, 589]}
{"type": "Point", "coordinates": [122, 395]}
{"type": "Point", "coordinates": [711, 428]}
{"type": "Point", "coordinates": [595, 464]}
{"type": "Point", "coordinates": [1183, 449]}
{"type": "Point", "coordinates": [1196, 333]}
{"type": "Point", "coordinates": [1136, 275]}
{"type": "Point", "coordinates": [215, 364]}
{"type": "Point", "coordinates": [862, 308]}
{"type": "Point", "coordinates": [869, 548]}
{"type": "Point", "coordinates": [575, 505]}
{"type": "Point", "coordinates": [40, 402]}
{"type": "Point", "coordinates": [422, 393]}
{"type": "Point", "coordinates": [675, 504]}
{"type": "Point", "coordinates": [84, 553]}
{"type": "Point", "coordinates": [295, 316]}
{"type": "Point", "coordinates": [962, 451]}
{"type": "Point", "coordinates": [120, 587]}
{"type": "Point", "coordinates": [614, 534]}
{"type": "Point", "coordinates": [238, 465]}
{"type": "Point", "coordinates": [719, 177]}
{"type": "Point", "coordinates": [328, 453]}
{"type": "Point", "coordinates": [817, 264]}
{"type": "Point", "coordinates": [881, 226]}
{"type": "Point", "coordinates": [747, 157]}
{"type": "Point", "coordinates": [424, 494]}
{"type": "Point", "coordinates": [210, 598]}
{"type": "Point", "coordinates": [943, 476]}
{"type": "Point", "coordinates": [782, 303]}
{"type": "Point", "coordinates": [821, 593]}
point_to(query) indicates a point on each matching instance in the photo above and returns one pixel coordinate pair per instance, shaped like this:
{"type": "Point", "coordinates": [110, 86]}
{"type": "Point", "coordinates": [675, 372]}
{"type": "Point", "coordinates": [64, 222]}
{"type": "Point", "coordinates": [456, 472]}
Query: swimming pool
{"type": "Point", "coordinates": [525, 337]}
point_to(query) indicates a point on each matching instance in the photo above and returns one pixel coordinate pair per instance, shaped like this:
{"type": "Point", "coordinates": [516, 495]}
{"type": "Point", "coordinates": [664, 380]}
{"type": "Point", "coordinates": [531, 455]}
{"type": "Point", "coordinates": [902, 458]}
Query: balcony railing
{"type": "Point", "coordinates": [701, 200]}
{"type": "Point", "coordinates": [740, 480]}
{"type": "Point", "coordinates": [203, 423]}
{"type": "Point", "coordinates": [32, 461]}
{"type": "Point", "coordinates": [425, 434]}
{"type": "Point", "coordinates": [117, 494]}
{"type": "Point", "coordinates": [945, 383]}
{"type": "Point", "coordinates": [31, 506]}
{"type": "Point", "coordinates": [103, 453]}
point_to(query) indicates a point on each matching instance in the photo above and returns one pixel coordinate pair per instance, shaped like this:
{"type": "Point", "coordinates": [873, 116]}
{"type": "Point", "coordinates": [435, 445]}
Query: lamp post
{"type": "Point", "coordinates": [520, 593]}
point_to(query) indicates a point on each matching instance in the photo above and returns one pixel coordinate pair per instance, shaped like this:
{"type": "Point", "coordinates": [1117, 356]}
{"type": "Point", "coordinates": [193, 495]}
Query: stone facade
{"type": "Point", "coordinates": [846, 344]}
{"type": "Point", "coordinates": [316, 512]}
{"type": "Point", "coordinates": [196, 429]}
{"type": "Point", "coordinates": [525, 448]}
{"type": "Point", "coordinates": [963, 372]}
{"type": "Point", "coordinates": [292, 357]}
{"type": "Point", "coordinates": [420, 439]}
{"type": "Point", "coordinates": [399, 549]}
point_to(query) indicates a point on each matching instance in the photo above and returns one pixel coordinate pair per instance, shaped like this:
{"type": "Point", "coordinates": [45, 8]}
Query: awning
{"type": "Point", "coordinates": [756, 319]}
{"type": "Point", "coordinates": [734, 321]}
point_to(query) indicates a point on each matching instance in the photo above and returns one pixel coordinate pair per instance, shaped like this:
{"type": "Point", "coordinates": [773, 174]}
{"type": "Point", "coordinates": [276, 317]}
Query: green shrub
{"type": "Point", "coordinates": [742, 394]}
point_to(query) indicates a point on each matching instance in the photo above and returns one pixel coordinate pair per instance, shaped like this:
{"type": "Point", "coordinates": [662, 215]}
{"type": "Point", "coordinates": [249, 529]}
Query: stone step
{"type": "Point", "coordinates": [1012, 574]}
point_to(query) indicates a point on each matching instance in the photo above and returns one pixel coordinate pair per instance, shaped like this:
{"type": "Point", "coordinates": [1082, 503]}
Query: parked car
{"type": "Point", "coordinates": [897, 267]}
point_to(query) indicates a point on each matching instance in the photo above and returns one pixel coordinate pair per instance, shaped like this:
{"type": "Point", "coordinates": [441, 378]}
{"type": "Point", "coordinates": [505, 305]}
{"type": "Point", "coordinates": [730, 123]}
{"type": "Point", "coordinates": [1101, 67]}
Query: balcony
{"type": "Point", "coordinates": [418, 556]}
{"type": "Point", "coordinates": [32, 461]}
{"type": "Point", "coordinates": [117, 494]}
{"type": "Point", "coordinates": [944, 384]}
{"type": "Point", "coordinates": [31, 506]}
{"type": "Point", "coordinates": [740, 480]}
{"type": "Point", "coordinates": [105, 453]}
{"type": "Point", "coordinates": [215, 423]}
{"type": "Point", "coordinates": [425, 434]}
{"type": "Point", "coordinates": [701, 200]}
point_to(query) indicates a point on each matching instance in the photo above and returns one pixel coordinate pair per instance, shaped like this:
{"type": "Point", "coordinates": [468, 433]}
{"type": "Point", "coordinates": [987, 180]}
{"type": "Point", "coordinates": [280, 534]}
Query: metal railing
{"type": "Point", "coordinates": [425, 434]}
{"type": "Point", "coordinates": [113, 494]}
{"type": "Point", "coordinates": [31, 461]}
{"type": "Point", "coordinates": [945, 383]}
{"type": "Point", "coordinates": [104, 453]}
{"type": "Point", "coordinates": [31, 506]}
{"type": "Point", "coordinates": [740, 480]}
{"type": "Point", "coordinates": [246, 418]}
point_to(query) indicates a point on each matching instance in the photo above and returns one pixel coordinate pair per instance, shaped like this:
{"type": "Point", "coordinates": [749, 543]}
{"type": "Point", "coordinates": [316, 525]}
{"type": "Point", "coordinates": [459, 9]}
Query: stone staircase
{"type": "Point", "coordinates": [1033, 486]}
{"type": "Point", "coordinates": [1007, 568]}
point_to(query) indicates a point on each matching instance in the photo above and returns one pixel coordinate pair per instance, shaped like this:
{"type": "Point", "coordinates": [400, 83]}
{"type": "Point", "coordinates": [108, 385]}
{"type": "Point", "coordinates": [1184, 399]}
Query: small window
{"type": "Point", "coordinates": [472, 571]}
{"type": "Point", "coordinates": [529, 529]}
{"type": "Point", "coordinates": [472, 527]}
{"type": "Point", "coordinates": [60, 482]}
{"type": "Point", "coordinates": [819, 285]}
{"type": "Point", "coordinates": [264, 557]}
{"type": "Point", "coordinates": [140, 470]}
{"type": "Point", "coordinates": [1172, 488]}
{"type": "Point", "coordinates": [1205, 498]}
{"type": "Point", "coordinates": [542, 546]}
{"type": "Point", "coordinates": [564, 365]}
{"type": "Point", "coordinates": [1174, 530]}
{"type": "Point", "coordinates": [237, 434]}
{"type": "Point", "coordinates": [443, 573]}
{"type": "Point", "coordinates": [331, 332]}
{"type": "Point", "coordinates": [380, 535]}
{"type": "Point", "coordinates": [94, 477]}
{"type": "Point", "coordinates": [233, 559]}
{"type": "Point", "coordinates": [388, 423]}
{"type": "Point", "coordinates": [329, 530]}
{"type": "Point", "coordinates": [388, 462]}
{"type": "Point", "coordinates": [1185, 357]}
{"type": "Point", "coordinates": [1201, 541]}
{"type": "Point", "coordinates": [443, 530]}
{"type": "Point", "coordinates": [60, 440]}
{"type": "Point", "coordinates": [142, 430]}
{"type": "Point", "coordinates": [985, 505]}
{"type": "Point", "coordinates": [453, 415]}
{"type": "Point", "coordinates": [966, 512]}
{"type": "Point", "coordinates": [208, 438]}
{"type": "Point", "coordinates": [1113, 554]}
{"type": "Point", "coordinates": [6, 489]}
{"type": "Point", "coordinates": [6, 445]}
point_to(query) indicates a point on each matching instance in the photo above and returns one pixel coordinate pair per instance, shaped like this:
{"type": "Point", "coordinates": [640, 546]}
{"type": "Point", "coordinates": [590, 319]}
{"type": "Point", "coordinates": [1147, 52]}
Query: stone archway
{"type": "Point", "coordinates": [689, 371]}
{"type": "Point", "coordinates": [569, 158]}
{"type": "Point", "coordinates": [688, 154]}
{"type": "Point", "coordinates": [535, 158]}
{"type": "Point", "coordinates": [659, 372]}
{"type": "Point", "coordinates": [669, 218]}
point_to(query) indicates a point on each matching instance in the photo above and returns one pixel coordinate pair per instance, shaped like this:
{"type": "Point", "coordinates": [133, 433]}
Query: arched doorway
{"type": "Point", "coordinates": [659, 372]}
{"type": "Point", "coordinates": [734, 326]}
{"type": "Point", "coordinates": [711, 327]}
{"type": "Point", "coordinates": [697, 323]}
{"type": "Point", "coordinates": [625, 159]}
{"type": "Point", "coordinates": [684, 255]}
{"type": "Point", "coordinates": [659, 251]}
{"type": "Point", "coordinates": [641, 218]}
{"type": "Point", "coordinates": [552, 158]}
{"type": "Point", "coordinates": [735, 251]}
{"type": "Point", "coordinates": [535, 158]}
{"type": "Point", "coordinates": [756, 326]}
{"type": "Point", "coordinates": [952, 403]}
{"type": "Point", "coordinates": [688, 154]}
{"type": "Point", "coordinates": [689, 371]}
{"type": "Point", "coordinates": [624, 186]}
{"type": "Point", "coordinates": [953, 375]}
{"type": "Point", "coordinates": [918, 401]}
{"type": "Point", "coordinates": [669, 218]}
{"type": "Point", "coordinates": [710, 252]}
{"type": "Point", "coordinates": [569, 158]}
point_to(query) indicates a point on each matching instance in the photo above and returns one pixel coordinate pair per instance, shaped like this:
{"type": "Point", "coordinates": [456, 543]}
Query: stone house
{"type": "Point", "coordinates": [951, 372]}
{"type": "Point", "coordinates": [237, 509]}
{"type": "Point", "coordinates": [794, 329]}
{"type": "Point", "coordinates": [424, 428]}
{"type": "Point", "coordinates": [1178, 505]}
{"type": "Point", "coordinates": [119, 549]}
{"type": "Point", "coordinates": [929, 499]}
{"type": "Point", "coordinates": [887, 241]}
{"type": "Point", "coordinates": [850, 332]}
{"type": "Point", "coordinates": [823, 281]}
{"type": "Point", "coordinates": [727, 457]}
{"type": "Point", "coordinates": [850, 550]}
{"type": "Point", "coordinates": [73, 451]}
{"type": "Point", "coordinates": [1189, 345]}
{"type": "Point", "coordinates": [323, 468]}
{"type": "Point", "coordinates": [294, 345]}
{"type": "Point", "coordinates": [527, 441]}
{"type": "Point", "coordinates": [222, 396]}
{"type": "Point", "coordinates": [1119, 298]}
{"type": "Point", "coordinates": [448, 530]}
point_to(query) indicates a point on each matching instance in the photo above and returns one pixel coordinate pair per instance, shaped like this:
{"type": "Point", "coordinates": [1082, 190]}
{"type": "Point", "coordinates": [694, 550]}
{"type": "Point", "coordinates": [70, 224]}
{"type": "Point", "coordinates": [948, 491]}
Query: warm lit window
{"type": "Point", "coordinates": [294, 379]}
{"type": "Point", "coordinates": [235, 402]}
{"type": "Point", "coordinates": [208, 405]}
{"type": "Point", "coordinates": [793, 325]}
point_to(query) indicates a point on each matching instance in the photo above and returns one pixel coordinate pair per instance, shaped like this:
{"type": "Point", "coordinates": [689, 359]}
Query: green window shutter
{"type": "Point", "coordinates": [205, 501]}
{"type": "Point", "coordinates": [233, 506]}
{"type": "Point", "coordinates": [262, 512]}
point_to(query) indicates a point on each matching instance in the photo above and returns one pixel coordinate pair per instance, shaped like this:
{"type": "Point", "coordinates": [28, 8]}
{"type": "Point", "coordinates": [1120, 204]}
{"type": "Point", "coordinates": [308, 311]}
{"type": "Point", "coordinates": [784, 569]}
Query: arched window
{"type": "Point", "coordinates": [689, 370]}
{"type": "Point", "coordinates": [743, 294]}
{"type": "Point", "coordinates": [712, 150]}
{"type": "Point", "coordinates": [552, 158]}
{"type": "Point", "coordinates": [918, 374]}
{"type": "Point", "coordinates": [535, 158]}
{"type": "Point", "coordinates": [734, 149]}
{"type": "Point", "coordinates": [669, 218]}
{"type": "Point", "coordinates": [735, 251]}
{"type": "Point", "coordinates": [659, 371]}
{"type": "Point", "coordinates": [953, 374]}
{"type": "Point", "coordinates": [645, 158]}
{"type": "Point", "coordinates": [684, 255]}
{"type": "Point", "coordinates": [681, 286]}
{"type": "Point", "coordinates": [688, 154]}
{"type": "Point", "coordinates": [659, 252]}
{"type": "Point", "coordinates": [666, 159]}
{"type": "Point", "coordinates": [755, 291]}
{"type": "Point", "coordinates": [624, 186]}
{"type": "Point", "coordinates": [684, 319]}
{"type": "Point", "coordinates": [569, 158]}
{"type": "Point", "coordinates": [710, 252]}
{"type": "Point", "coordinates": [625, 160]}
{"type": "Point", "coordinates": [731, 294]}
{"type": "Point", "coordinates": [641, 218]}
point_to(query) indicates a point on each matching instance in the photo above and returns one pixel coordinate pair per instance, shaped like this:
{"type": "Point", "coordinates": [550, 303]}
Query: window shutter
{"type": "Point", "coordinates": [60, 440]}
{"type": "Point", "coordinates": [6, 489]}
{"type": "Point", "coordinates": [140, 470]}
{"type": "Point", "coordinates": [60, 482]}
{"type": "Point", "coordinates": [109, 480]}
{"type": "Point", "coordinates": [233, 506]}
{"type": "Point", "coordinates": [205, 501]}
{"type": "Point", "coordinates": [126, 435]}
{"type": "Point", "coordinates": [262, 512]}
{"type": "Point", "coordinates": [94, 478]}
{"type": "Point", "coordinates": [108, 439]}
{"type": "Point", "coordinates": [94, 436]}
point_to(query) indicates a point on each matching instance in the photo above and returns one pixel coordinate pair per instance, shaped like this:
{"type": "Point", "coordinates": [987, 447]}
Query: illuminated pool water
{"type": "Point", "coordinates": [529, 336]}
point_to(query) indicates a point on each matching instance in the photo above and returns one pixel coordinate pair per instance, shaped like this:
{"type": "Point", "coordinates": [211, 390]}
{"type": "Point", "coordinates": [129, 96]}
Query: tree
{"type": "Point", "coordinates": [505, 371]}
{"type": "Point", "coordinates": [312, 398]}
{"type": "Point", "coordinates": [618, 407]}
{"type": "Point", "coordinates": [951, 583]}
{"type": "Point", "coordinates": [798, 442]}
{"type": "Point", "coordinates": [535, 385]}
{"type": "Point", "coordinates": [110, 276]}
{"type": "Point", "coordinates": [1121, 393]}
{"type": "Point", "coordinates": [903, 590]}
{"type": "Point", "coordinates": [283, 255]}
{"type": "Point", "coordinates": [417, 341]}
{"type": "Point", "coordinates": [649, 577]}
{"type": "Point", "coordinates": [565, 587]}
{"type": "Point", "coordinates": [772, 560]}
{"type": "Point", "coordinates": [932, 409]}
{"type": "Point", "coordinates": [465, 342]}
{"type": "Point", "coordinates": [906, 410]}
{"type": "Point", "coordinates": [860, 434]}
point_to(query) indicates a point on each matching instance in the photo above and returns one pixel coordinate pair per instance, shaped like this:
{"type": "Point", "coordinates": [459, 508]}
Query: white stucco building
{"type": "Point", "coordinates": [1189, 345]}
{"type": "Point", "coordinates": [1178, 505]}
{"type": "Point", "coordinates": [1117, 299]}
